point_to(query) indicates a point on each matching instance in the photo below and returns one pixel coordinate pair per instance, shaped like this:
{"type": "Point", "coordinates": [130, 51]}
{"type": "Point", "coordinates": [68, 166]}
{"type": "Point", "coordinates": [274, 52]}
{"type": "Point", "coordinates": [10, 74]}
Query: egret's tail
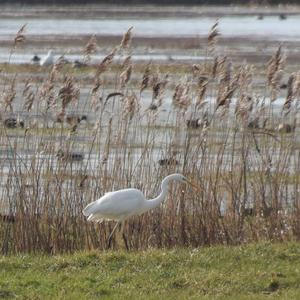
{"type": "Point", "coordinates": [95, 218]}
{"type": "Point", "coordinates": [88, 210]}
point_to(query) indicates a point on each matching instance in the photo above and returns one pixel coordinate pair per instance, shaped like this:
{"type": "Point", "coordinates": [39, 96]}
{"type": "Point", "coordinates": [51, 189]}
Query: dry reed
{"type": "Point", "coordinates": [248, 174]}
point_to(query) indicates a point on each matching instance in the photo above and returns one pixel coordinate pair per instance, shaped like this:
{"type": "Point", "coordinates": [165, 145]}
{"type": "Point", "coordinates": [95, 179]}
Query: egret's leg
{"type": "Point", "coordinates": [111, 234]}
{"type": "Point", "coordinates": [124, 236]}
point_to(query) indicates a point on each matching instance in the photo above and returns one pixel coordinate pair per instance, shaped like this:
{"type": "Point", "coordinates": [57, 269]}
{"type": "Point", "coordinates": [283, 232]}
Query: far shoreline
{"type": "Point", "coordinates": [92, 10]}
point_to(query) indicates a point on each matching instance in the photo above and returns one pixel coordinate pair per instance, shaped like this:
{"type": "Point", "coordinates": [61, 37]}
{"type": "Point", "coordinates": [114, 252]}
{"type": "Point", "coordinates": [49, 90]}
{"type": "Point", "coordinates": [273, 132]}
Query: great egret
{"type": "Point", "coordinates": [122, 204]}
{"type": "Point", "coordinates": [47, 60]}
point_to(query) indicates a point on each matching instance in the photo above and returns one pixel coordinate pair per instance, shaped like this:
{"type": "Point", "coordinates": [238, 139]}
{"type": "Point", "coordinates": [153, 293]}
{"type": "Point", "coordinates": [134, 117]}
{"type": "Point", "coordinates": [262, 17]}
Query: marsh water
{"type": "Point", "coordinates": [52, 31]}
{"type": "Point", "coordinates": [43, 29]}
{"type": "Point", "coordinates": [270, 27]}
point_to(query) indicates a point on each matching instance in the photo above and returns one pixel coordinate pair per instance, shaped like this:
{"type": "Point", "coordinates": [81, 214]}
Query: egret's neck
{"type": "Point", "coordinates": [156, 201]}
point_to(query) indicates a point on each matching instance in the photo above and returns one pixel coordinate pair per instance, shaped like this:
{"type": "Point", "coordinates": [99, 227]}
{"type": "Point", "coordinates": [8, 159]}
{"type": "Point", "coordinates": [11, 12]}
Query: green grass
{"type": "Point", "coordinates": [256, 271]}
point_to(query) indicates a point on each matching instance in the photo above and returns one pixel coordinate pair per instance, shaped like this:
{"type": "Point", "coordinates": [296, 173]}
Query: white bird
{"type": "Point", "coordinates": [47, 60]}
{"type": "Point", "coordinates": [122, 204]}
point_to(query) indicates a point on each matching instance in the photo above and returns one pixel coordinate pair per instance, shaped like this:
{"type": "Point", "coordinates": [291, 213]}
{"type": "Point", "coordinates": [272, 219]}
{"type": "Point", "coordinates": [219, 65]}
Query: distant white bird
{"type": "Point", "coordinates": [48, 59]}
{"type": "Point", "coordinates": [122, 204]}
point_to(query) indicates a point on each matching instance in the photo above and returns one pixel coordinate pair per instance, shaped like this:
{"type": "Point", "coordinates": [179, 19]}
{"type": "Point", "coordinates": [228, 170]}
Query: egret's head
{"type": "Point", "coordinates": [183, 179]}
{"type": "Point", "coordinates": [178, 177]}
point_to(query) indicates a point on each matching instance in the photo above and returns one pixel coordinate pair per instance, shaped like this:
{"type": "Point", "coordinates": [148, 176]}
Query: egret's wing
{"type": "Point", "coordinates": [123, 203]}
{"type": "Point", "coordinates": [115, 205]}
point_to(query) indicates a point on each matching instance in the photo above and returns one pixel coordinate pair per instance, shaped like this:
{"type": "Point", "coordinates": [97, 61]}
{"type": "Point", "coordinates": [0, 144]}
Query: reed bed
{"type": "Point", "coordinates": [62, 148]}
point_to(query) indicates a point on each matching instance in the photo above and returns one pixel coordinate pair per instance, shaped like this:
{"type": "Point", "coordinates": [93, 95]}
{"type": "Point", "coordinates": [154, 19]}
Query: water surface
{"type": "Point", "coordinates": [270, 27]}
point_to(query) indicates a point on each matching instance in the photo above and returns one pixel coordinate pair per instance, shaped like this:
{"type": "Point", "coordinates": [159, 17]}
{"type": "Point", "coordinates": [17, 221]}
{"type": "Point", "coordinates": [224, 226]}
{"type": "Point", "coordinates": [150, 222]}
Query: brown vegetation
{"type": "Point", "coordinates": [249, 175]}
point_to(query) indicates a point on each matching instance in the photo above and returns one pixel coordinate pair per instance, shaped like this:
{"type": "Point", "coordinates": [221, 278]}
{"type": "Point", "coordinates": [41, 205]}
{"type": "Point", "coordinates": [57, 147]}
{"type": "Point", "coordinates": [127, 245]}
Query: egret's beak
{"type": "Point", "coordinates": [194, 185]}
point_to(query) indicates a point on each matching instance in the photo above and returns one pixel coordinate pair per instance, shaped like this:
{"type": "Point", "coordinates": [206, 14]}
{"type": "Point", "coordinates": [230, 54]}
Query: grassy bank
{"type": "Point", "coordinates": [261, 271]}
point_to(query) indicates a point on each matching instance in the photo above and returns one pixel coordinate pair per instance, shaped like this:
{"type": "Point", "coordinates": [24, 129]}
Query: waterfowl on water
{"type": "Point", "coordinates": [197, 123]}
{"type": "Point", "coordinates": [13, 123]}
{"type": "Point", "coordinates": [168, 162]}
{"type": "Point", "coordinates": [282, 17]}
{"type": "Point", "coordinates": [254, 124]}
{"type": "Point", "coordinates": [69, 156]}
{"type": "Point", "coordinates": [36, 59]}
{"type": "Point", "coordinates": [286, 128]}
{"type": "Point", "coordinates": [260, 17]}
{"type": "Point", "coordinates": [75, 119]}
{"type": "Point", "coordinates": [78, 64]}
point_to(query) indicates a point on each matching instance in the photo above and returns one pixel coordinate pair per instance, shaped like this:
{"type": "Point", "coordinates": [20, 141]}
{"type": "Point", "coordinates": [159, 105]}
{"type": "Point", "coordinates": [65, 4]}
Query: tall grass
{"type": "Point", "coordinates": [218, 130]}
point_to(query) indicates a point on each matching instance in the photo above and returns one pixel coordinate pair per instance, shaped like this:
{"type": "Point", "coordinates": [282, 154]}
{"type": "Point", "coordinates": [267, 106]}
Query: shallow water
{"type": "Point", "coordinates": [271, 27]}
{"type": "Point", "coordinates": [50, 27]}
{"type": "Point", "coordinates": [25, 57]}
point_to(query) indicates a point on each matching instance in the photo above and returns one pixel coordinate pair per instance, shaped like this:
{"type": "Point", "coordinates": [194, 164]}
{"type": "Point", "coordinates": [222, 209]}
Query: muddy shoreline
{"type": "Point", "coordinates": [90, 11]}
